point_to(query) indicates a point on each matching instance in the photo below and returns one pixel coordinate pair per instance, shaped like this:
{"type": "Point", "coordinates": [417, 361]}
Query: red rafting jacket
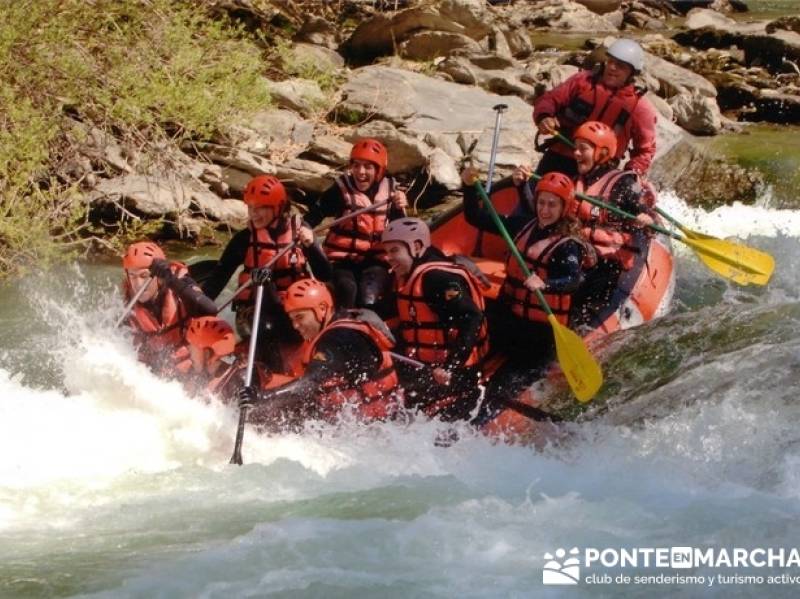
{"type": "Point", "coordinates": [637, 123]}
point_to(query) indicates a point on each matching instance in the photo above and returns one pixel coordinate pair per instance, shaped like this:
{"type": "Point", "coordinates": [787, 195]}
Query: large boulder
{"type": "Point", "coordinates": [418, 105]}
{"type": "Point", "coordinates": [696, 113]}
{"type": "Point", "coordinates": [567, 15]}
{"type": "Point", "coordinates": [299, 95]}
{"type": "Point", "coordinates": [380, 35]}
{"type": "Point", "coordinates": [601, 7]}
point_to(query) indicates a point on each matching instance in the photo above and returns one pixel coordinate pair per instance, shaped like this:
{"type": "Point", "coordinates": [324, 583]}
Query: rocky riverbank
{"type": "Point", "coordinates": [423, 77]}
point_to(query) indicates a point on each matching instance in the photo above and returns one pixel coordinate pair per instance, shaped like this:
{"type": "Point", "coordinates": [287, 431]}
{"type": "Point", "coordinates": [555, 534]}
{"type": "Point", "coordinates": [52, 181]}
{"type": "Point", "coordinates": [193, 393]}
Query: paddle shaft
{"type": "Point", "coordinates": [510, 243]}
{"type": "Point", "coordinates": [133, 301]}
{"type": "Point", "coordinates": [280, 254]}
{"type": "Point", "coordinates": [236, 458]}
{"type": "Point", "coordinates": [499, 110]}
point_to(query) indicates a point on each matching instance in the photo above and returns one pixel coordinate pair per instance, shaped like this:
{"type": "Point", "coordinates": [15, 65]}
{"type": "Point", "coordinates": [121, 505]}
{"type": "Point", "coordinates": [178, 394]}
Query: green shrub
{"type": "Point", "coordinates": [147, 70]}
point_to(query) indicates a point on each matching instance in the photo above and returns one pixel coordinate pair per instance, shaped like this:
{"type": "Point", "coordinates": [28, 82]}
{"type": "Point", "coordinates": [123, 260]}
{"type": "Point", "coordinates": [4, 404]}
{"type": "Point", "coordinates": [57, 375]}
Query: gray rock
{"type": "Point", "coordinates": [300, 95]}
{"type": "Point", "coordinates": [318, 31]}
{"type": "Point", "coordinates": [272, 127]}
{"type": "Point", "coordinates": [601, 7]}
{"type": "Point", "coordinates": [567, 15]}
{"type": "Point", "coordinates": [420, 105]}
{"type": "Point", "coordinates": [318, 57]}
{"type": "Point", "coordinates": [696, 113]}
{"type": "Point", "coordinates": [328, 150]}
{"type": "Point", "coordinates": [427, 45]}
{"type": "Point", "coordinates": [144, 194]}
{"type": "Point", "coordinates": [233, 157]}
{"type": "Point", "coordinates": [307, 175]}
{"type": "Point", "coordinates": [698, 18]}
{"type": "Point", "coordinates": [443, 169]}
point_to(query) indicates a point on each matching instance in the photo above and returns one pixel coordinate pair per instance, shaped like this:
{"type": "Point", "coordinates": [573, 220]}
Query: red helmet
{"type": "Point", "coordinates": [213, 333]}
{"type": "Point", "coordinates": [265, 190]}
{"type": "Point", "coordinates": [600, 136]}
{"type": "Point", "coordinates": [373, 151]}
{"type": "Point", "coordinates": [141, 255]}
{"type": "Point", "coordinates": [309, 294]}
{"type": "Point", "coordinates": [562, 186]}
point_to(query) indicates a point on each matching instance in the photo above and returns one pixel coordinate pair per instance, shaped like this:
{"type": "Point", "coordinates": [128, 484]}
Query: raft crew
{"type": "Point", "coordinates": [271, 229]}
{"type": "Point", "coordinates": [607, 94]}
{"type": "Point", "coordinates": [616, 240]}
{"type": "Point", "coordinates": [347, 363]}
{"type": "Point", "coordinates": [360, 275]}
{"type": "Point", "coordinates": [440, 322]}
{"type": "Point", "coordinates": [556, 254]}
{"type": "Point", "coordinates": [169, 298]}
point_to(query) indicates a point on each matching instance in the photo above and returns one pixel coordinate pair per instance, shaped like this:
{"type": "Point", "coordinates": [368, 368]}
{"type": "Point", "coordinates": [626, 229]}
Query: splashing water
{"type": "Point", "coordinates": [114, 483]}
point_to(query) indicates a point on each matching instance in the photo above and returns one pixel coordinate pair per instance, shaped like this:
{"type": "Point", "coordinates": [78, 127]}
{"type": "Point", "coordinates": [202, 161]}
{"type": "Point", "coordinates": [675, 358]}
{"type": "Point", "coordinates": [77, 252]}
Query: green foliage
{"type": "Point", "coordinates": [145, 69]}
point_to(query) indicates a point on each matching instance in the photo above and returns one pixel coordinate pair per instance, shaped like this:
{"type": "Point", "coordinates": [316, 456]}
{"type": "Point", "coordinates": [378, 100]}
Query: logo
{"type": "Point", "coordinates": [558, 570]}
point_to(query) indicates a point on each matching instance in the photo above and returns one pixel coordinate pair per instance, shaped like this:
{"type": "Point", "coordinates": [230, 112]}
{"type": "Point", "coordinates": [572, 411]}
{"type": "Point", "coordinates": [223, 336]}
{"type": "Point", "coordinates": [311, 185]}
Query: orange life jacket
{"type": "Point", "coordinates": [263, 247]}
{"type": "Point", "coordinates": [425, 337]}
{"type": "Point", "coordinates": [359, 237]}
{"type": "Point", "coordinates": [604, 229]}
{"type": "Point", "coordinates": [524, 303]}
{"type": "Point", "coordinates": [376, 398]}
{"type": "Point", "coordinates": [164, 331]}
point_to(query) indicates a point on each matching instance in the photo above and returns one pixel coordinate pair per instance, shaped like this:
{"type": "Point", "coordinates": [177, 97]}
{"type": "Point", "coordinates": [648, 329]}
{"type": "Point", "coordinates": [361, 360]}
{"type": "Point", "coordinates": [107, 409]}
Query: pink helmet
{"type": "Point", "coordinates": [408, 230]}
{"type": "Point", "coordinates": [141, 255]}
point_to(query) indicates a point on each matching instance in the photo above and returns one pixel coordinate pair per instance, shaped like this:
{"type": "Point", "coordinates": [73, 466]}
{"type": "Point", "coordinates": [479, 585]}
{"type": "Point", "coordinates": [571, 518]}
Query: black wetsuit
{"type": "Point", "coordinates": [448, 296]}
{"type": "Point", "coordinates": [528, 346]}
{"type": "Point", "coordinates": [602, 279]}
{"type": "Point", "coordinates": [275, 326]}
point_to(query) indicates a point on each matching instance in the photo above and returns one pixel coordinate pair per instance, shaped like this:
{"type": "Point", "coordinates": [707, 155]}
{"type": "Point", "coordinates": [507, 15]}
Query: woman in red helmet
{"type": "Point", "coordinates": [271, 229]}
{"type": "Point", "coordinates": [614, 239]}
{"type": "Point", "coordinates": [360, 276]}
{"type": "Point", "coordinates": [556, 253]}
{"type": "Point", "coordinates": [347, 363]}
{"type": "Point", "coordinates": [169, 299]}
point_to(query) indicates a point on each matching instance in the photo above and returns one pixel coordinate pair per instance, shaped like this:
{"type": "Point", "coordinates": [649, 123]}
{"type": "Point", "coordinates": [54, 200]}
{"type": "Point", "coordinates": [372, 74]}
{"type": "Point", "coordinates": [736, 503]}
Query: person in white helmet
{"type": "Point", "coordinates": [440, 322]}
{"type": "Point", "coordinates": [607, 94]}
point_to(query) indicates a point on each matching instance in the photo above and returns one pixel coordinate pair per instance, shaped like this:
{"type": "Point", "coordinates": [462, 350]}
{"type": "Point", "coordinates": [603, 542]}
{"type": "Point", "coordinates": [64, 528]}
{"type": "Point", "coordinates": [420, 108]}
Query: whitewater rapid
{"type": "Point", "coordinates": [114, 483]}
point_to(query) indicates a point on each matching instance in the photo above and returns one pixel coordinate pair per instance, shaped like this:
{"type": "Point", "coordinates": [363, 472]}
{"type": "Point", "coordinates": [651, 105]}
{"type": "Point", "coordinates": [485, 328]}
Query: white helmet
{"type": "Point", "coordinates": [629, 52]}
{"type": "Point", "coordinates": [408, 230]}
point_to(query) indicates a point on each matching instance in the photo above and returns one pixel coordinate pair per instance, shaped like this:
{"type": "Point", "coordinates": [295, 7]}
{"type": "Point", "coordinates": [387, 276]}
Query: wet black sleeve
{"type": "Point", "coordinates": [192, 297]}
{"type": "Point", "coordinates": [232, 257]}
{"type": "Point", "coordinates": [449, 297]}
{"type": "Point", "coordinates": [330, 204]}
{"type": "Point", "coordinates": [565, 273]}
{"type": "Point", "coordinates": [318, 261]}
{"type": "Point", "coordinates": [480, 218]}
{"type": "Point", "coordinates": [627, 195]}
{"type": "Point", "coordinates": [339, 353]}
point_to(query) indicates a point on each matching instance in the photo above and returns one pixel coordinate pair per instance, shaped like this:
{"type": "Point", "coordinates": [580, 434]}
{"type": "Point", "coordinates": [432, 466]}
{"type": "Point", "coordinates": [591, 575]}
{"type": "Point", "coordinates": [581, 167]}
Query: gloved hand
{"type": "Point", "coordinates": [261, 276]}
{"type": "Point", "coordinates": [160, 268]}
{"type": "Point", "coordinates": [248, 397]}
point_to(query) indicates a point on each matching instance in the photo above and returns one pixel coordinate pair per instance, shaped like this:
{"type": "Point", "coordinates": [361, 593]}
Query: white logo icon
{"type": "Point", "coordinates": [558, 570]}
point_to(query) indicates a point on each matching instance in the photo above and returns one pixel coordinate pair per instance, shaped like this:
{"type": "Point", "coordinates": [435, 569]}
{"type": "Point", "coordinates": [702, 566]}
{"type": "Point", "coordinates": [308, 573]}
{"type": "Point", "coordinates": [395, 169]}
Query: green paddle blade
{"type": "Point", "coordinates": [739, 263]}
{"type": "Point", "coordinates": [582, 371]}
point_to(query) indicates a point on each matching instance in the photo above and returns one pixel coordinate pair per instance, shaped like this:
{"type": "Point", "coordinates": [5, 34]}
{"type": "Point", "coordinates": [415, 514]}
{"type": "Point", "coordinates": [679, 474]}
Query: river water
{"type": "Point", "coordinates": [113, 483]}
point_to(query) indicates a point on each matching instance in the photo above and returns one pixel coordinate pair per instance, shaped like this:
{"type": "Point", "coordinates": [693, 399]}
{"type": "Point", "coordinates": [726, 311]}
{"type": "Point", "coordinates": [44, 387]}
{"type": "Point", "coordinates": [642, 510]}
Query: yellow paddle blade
{"type": "Point", "coordinates": [582, 371]}
{"type": "Point", "coordinates": [739, 263]}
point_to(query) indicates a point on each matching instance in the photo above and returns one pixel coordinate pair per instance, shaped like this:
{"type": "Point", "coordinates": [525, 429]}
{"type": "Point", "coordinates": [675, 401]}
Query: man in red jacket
{"type": "Point", "coordinates": [606, 94]}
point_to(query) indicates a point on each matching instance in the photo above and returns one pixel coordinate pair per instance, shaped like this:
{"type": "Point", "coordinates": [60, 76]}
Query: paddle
{"type": "Point", "coordinates": [133, 301]}
{"type": "Point", "coordinates": [236, 458]}
{"type": "Point", "coordinates": [580, 368]}
{"type": "Point", "coordinates": [739, 263]}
